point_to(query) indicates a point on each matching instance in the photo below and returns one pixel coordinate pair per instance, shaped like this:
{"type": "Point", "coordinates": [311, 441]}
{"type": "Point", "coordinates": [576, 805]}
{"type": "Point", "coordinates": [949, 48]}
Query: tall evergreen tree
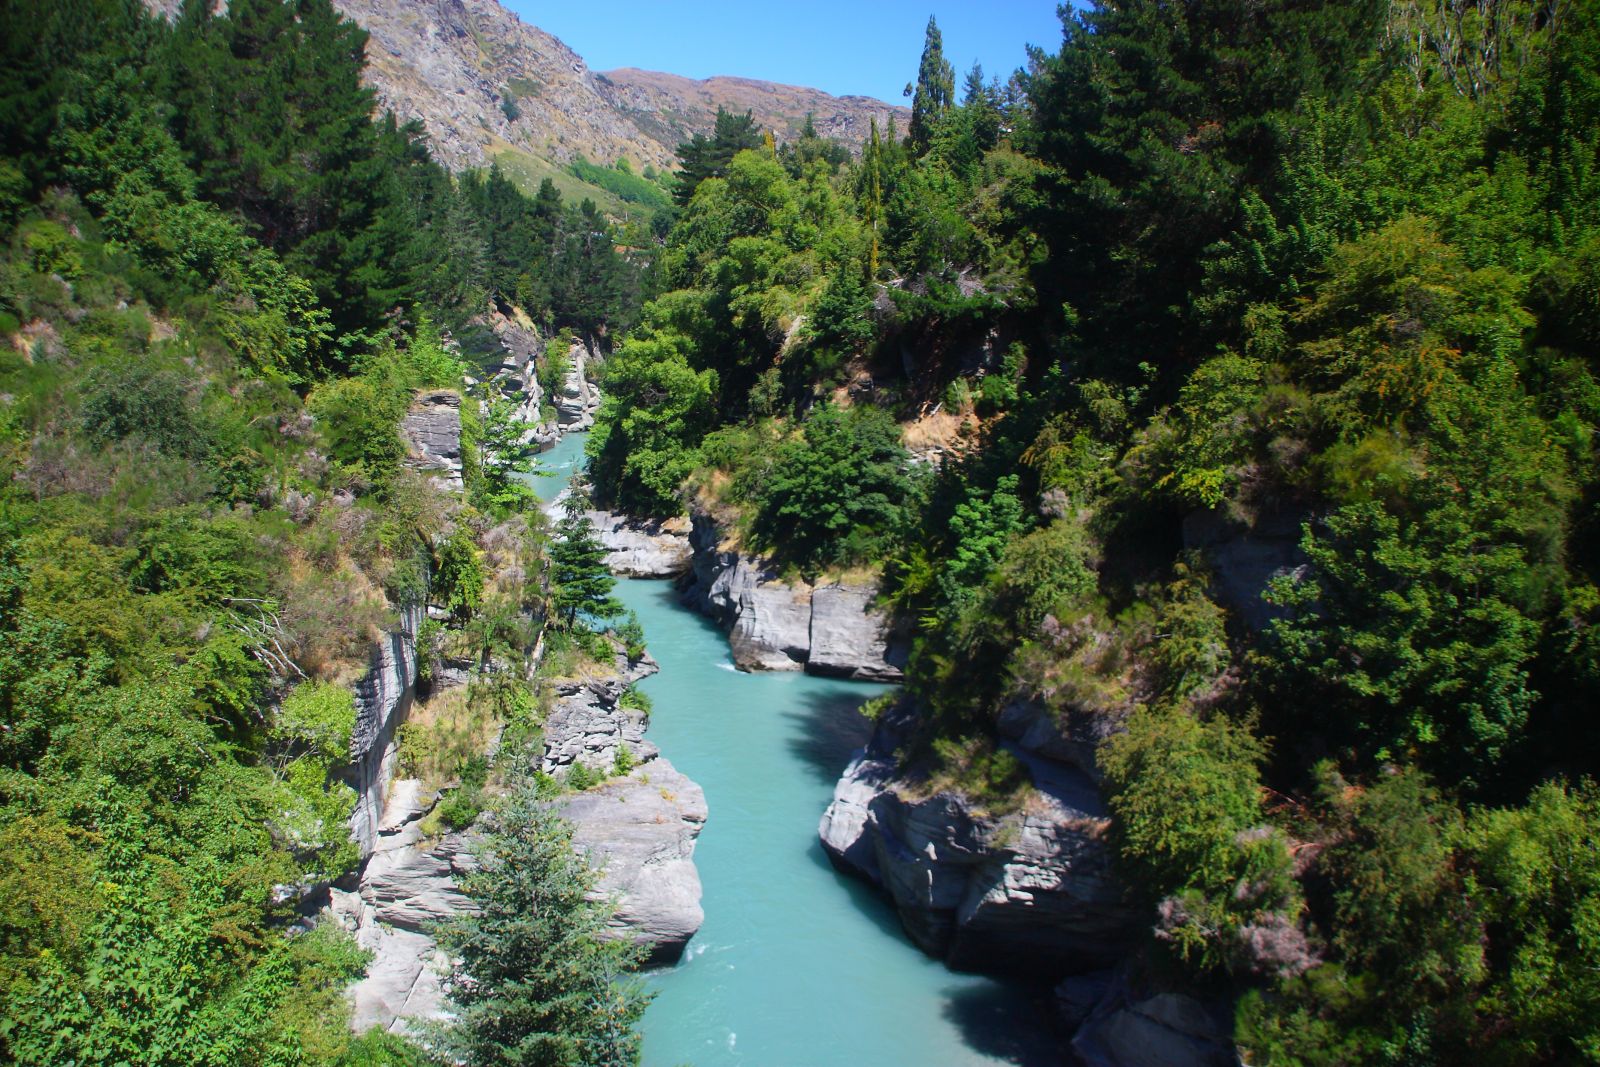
{"type": "Point", "coordinates": [540, 982]}
{"type": "Point", "coordinates": [708, 157]}
{"type": "Point", "coordinates": [935, 89]}
{"type": "Point", "coordinates": [580, 581]}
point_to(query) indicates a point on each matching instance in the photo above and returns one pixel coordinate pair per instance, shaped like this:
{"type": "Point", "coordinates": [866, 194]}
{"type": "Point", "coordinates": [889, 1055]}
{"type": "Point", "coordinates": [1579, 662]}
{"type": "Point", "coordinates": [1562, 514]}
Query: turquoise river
{"type": "Point", "coordinates": [796, 965]}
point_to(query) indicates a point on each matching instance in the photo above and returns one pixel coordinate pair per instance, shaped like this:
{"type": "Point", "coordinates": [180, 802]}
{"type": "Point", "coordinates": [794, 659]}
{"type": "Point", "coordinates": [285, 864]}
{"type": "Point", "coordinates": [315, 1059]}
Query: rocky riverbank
{"type": "Point", "coordinates": [774, 624]}
{"type": "Point", "coordinates": [1030, 891]}
{"type": "Point", "coordinates": [639, 826]}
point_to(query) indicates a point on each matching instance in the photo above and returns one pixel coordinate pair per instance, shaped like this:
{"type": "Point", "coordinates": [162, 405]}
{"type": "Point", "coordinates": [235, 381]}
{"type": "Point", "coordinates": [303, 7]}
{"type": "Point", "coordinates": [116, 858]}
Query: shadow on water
{"type": "Point", "coordinates": [1005, 1020]}
{"type": "Point", "coordinates": [831, 729]}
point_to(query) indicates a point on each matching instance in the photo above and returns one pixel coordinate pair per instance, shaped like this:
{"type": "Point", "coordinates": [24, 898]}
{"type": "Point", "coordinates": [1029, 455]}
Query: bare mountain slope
{"type": "Point", "coordinates": [673, 108]}
{"type": "Point", "coordinates": [489, 86]}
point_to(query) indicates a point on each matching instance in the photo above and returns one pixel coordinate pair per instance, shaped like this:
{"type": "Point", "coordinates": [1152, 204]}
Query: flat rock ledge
{"type": "Point", "coordinates": [776, 625]}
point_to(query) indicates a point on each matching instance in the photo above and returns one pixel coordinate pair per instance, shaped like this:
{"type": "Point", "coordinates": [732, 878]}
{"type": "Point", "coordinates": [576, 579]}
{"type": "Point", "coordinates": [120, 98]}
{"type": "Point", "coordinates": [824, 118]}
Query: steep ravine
{"type": "Point", "coordinates": [640, 828]}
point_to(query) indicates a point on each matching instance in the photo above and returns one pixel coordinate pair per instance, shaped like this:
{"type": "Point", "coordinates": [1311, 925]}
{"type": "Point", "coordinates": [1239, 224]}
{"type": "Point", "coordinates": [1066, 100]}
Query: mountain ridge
{"type": "Point", "coordinates": [489, 87]}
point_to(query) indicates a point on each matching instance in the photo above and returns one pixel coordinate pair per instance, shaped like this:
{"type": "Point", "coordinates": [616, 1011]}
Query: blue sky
{"type": "Point", "coordinates": [870, 47]}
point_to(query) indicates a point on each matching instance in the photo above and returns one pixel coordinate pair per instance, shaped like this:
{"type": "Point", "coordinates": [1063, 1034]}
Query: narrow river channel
{"type": "Point", "coordinates": [796, 965]}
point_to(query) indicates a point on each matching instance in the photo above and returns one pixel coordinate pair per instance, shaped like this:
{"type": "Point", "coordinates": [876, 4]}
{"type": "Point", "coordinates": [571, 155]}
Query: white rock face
{"type": "Point", "coordinates": [432, 432]}
{"type": "Point", "coordinates": [407, 883]}
{"type": "Point", "coordinates": [579, 400]}
{"type": "Point", "coordinates": [849, 636]}
{"type": "Point", "coordinates": [1032, 891]}
{"type": "Point", "coordinates": [777, 625]}
{"type": "Point", "coordinates": [643, 548]}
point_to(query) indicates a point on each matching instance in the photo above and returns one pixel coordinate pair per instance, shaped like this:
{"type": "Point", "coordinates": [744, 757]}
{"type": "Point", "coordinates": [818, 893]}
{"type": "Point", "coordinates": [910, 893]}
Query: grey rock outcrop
{"type": "Point", "coordinates": [432, 432]}
{"type": "Point", "coordinates": [383, 699]}
{"type": "Point", "coordinates": [643, 548]}
{"type": "Point", "coordinates": [639, 828]}
{"type": "Point", "coordinates": [1030, 891]}
{"type": "Point", "coordinates": [1164, 1030]}
{"type": "Point", "coordinates": [589, 724]}
{"type": "Point", "coordinates": [777, 625]}
{"type": "Point", "coordinates": [1244, 559]}
{"type": "Point", "coordinates": [847, 635]}
{"type": "Point", "coordinates": [640, 831]}
{"type": "Point", "coordinates": [407, 883]}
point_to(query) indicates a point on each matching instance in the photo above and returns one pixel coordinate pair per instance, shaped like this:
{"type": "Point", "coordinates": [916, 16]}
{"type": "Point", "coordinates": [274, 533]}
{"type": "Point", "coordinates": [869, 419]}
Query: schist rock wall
{"type": "Point", "coordinates": [776, 625]}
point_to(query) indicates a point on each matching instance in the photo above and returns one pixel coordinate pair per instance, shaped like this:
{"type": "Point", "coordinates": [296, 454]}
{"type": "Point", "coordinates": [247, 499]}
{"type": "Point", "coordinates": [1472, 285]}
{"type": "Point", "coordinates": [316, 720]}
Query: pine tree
{"type": "Point", "coordinates": [935, 89]}
{"type": "Point", "coordinates": [580, 582]}
{"type": "Point", "coordinates": [540, 984]}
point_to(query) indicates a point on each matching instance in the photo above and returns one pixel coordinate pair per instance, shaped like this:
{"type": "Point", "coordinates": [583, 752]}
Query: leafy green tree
{"type": "Point", "coordinates": [836, 494]}
{"type": "Point", "coordinates": [540, 982]}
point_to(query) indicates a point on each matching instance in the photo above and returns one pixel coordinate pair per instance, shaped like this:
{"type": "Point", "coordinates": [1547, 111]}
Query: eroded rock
{"type": "Point", "coordinates": [776, 624]}
{"type": "Point", "coordinates": [1030, 892]}
{"type": "Point", "coordinates": [643, 548]}
{"type": "Point", "coordinates": [432, 432]}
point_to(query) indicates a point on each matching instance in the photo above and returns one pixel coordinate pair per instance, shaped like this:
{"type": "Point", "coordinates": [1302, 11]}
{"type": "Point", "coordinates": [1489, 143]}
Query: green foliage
{"type": "Point", "coordinates": [539, 980]}
{"type": "Point", "coordinates": [636, 698]}
{"type": "Point", "coordinates": [458, 578]}
{"type": "Point", "coordinates": [1182, 790]}
{"type": "Point", "coordinates": [631, 634]}
{"type": "Point", "coordinates": [1536, 877]}
{"type": "Point", "coordinates": [628, 186]}
{"type": "Point", "coordinates": [838, 493]}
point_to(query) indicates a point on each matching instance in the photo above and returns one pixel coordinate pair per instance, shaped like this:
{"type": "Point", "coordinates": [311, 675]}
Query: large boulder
{"type": "Point", "coordinates": [1165, 1030]}
{"type": "Point", "coordinates": [1028, 891]}
{"type": "Point", "coordinates": [638, 828]}
{"type": "Point", "coordinates": [588, 723]}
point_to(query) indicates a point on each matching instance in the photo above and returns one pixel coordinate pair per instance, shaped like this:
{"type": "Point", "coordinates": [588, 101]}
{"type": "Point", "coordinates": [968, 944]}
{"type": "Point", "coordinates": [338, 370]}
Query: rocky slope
{"type": "Point", "coordinates": [455, 64]}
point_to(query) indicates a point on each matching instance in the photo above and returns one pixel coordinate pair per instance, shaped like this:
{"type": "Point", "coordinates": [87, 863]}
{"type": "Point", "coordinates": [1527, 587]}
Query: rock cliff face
{"type": "Point", "coordinates": [383, 698]}
{"type": "Point", "coordinates": [1028, 892]}
{"type": "Point", "coordinates": [1245, 558]}
{"type": "Point", "coordinates": [432, 432]}
{"type": "Point", "coordinates": [640, 827]}
{"type": "Point", "coordinates": [774, 625]}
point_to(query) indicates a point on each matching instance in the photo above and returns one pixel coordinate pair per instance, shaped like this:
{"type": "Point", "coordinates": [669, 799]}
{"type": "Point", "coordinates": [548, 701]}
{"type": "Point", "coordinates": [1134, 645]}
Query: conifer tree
{"type": "Point", "coordinates": [580, 582]}
{"type": "Point", "coordinates": [935, 89]}
{"type": "Point", "coordinates": [540, 983]}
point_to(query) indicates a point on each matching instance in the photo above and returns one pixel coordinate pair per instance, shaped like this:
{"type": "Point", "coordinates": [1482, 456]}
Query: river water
{"type": "Point", "coordinates": [796, 965]}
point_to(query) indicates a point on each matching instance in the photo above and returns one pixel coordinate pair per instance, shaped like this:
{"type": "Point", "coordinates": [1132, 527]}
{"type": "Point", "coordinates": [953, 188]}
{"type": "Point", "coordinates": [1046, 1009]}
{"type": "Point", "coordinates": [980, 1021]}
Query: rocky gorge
{"type": "Point", "coordinates": [638, 827]}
